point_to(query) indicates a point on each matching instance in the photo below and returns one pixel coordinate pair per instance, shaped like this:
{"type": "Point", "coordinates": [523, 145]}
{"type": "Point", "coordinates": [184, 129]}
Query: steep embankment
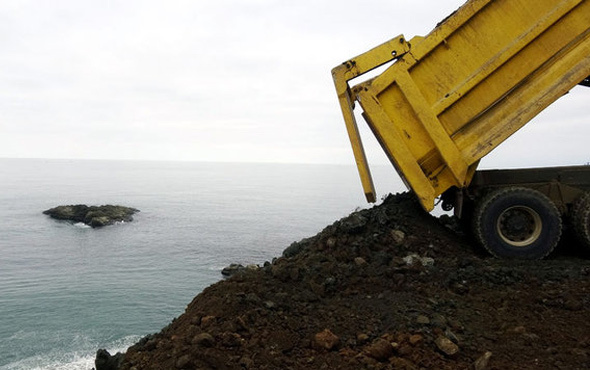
{"type": "Point", "coordinates": [384, 288]}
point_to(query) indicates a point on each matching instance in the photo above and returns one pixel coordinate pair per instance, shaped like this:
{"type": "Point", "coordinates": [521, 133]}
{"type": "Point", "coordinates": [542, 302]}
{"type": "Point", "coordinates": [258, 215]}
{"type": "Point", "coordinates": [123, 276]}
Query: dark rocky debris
{"type": "Point", "coordinates": [390, 287]}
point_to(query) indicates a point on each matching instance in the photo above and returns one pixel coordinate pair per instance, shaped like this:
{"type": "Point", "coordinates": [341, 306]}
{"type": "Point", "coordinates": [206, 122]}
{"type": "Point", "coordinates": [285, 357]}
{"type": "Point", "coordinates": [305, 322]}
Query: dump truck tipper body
{"type": "Point", "coordinates": [447, 99]}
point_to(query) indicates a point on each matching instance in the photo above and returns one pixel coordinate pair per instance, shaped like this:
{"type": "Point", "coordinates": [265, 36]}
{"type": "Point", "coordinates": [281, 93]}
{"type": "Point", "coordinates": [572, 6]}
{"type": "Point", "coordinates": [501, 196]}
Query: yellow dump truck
{"type": "Point", "coordinates": [446, 100]}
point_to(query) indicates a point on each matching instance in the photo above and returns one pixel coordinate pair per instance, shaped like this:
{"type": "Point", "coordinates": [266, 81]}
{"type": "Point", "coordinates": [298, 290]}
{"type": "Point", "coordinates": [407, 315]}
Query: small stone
{"type": "Point", "coordinates": [519, 330]}
{"type": "Point", "coordinates": [280, 272]}
{"type": "Point", "coordinates": [207, 321]}
{"type": "Point", "coordinates": [401, 363]}
{"type": "Point", "coordinates": [423, 320]}
{"type": "Point", "coordinates": [270, 305]}
{"type": "Point", "coordinates": [398, 236]}
{"type": "Point", "coordinates": [246, 362]}
{"type": "Point", "coordinates": [294, 249]}
{"type": "Point", "coordinates": [552, 350]}
{"type": "Point", "coordinates": [415, 339]}
{"type": "Point", "coordinates": [411, 259]}
{"type": "Point", "coordinates": [229, 339]}
{"type": "Point", "coordinates": [360, 261]}
{"type": "Point", "coordinates": [294, 274]}
{"type": "Point", "coordinates": [331, 242]}
{"type": "Point", "coordinates": [241, 323]}
{"type": "Point", "coordinates": [318, 289]}
{"type": "Point", "coordinates": [427, 261]}
{"type": "Point", "coordinates": [252, 298]}
{"type": "Point", "coordinates": [362, 338]}
{"type": "Point", "coordinates": [404, 349]}
{"type": "Point", "coordinates": [204, 340]}
{"type": "Point", "coordinates": [183, 362]}
{"type": "Point", "coordinates": [439, 321]}
{"type": "Point", "coordinates": [380, 350]}
{"type": "Point", "coordinates": [232, 269]}
{"type": "Point", "coordinates": [482, 362]}
{"type": "Point", "coordinates": [150, 345]}
{"type": "Point", "coordinates": [452, 336]}
{"type": "Point", "coordinates": [456, 326]}
{"type": "Point", "coordinates": [446, 346]}
{"type": "Point", "coordinates": [531, 337]}
{"type": "Point", "coordinates": [354, 223]}
{"type": "Point", "coordinates": [326, 340]}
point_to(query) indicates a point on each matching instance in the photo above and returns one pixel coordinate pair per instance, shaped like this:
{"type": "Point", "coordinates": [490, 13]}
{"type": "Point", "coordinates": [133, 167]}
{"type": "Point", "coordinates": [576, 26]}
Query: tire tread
{"type": "Point", "coordinates": [581, 219]}
{"type": "Point", "coordinates": [493, 196]}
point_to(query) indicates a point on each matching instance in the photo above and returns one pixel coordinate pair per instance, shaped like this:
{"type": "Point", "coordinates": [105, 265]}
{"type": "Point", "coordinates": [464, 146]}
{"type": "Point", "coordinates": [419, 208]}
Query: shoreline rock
{"type": "Point", "coordinates": [236, 268]}
{"type": "Point", "coordinates": [105, 361]}
{"type": "Point", "coordinates": [93, 216]}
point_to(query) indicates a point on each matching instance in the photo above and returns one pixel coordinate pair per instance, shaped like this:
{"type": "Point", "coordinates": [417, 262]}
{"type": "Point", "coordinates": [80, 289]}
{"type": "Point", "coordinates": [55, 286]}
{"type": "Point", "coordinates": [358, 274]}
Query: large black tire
{"type": "Point", "coordinates": [518, 223]}
{"type": "Point", "coordinates": [580, 219]}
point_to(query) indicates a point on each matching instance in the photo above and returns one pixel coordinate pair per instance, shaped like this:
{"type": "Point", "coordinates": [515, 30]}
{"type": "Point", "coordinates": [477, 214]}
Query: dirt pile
{"type": "Point", "coordinates": [385, 288]}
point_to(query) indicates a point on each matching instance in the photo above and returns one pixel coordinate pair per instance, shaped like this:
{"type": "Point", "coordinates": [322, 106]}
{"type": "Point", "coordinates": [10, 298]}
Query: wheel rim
{"type": "Point", "coordinates": [519, 226]}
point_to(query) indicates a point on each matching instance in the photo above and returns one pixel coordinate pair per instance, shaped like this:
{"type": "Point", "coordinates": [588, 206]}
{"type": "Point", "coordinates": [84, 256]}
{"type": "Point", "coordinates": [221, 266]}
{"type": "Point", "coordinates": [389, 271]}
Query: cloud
{"type": "Point", "coordinates": [189, 80]}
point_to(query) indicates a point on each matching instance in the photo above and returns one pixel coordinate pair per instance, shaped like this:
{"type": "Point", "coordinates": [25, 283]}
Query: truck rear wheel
{"type": "Point", "coordinates": [581, 219]}
{"type": "Point", "coordinates": [517, 223]}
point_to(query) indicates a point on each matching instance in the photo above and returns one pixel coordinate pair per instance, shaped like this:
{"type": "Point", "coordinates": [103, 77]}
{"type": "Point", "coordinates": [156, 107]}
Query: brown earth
{"type": "Point", "coordinates": [347, 299]}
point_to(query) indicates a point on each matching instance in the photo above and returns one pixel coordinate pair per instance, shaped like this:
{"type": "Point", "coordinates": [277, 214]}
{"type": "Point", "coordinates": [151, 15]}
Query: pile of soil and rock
{"type": "Point", "coordinates": [390, 287]}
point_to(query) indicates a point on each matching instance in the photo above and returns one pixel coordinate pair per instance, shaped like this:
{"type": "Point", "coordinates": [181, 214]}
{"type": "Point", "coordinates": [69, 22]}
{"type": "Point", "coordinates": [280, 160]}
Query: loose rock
{"type": "Point", "coordinates": [423, 320]}
{"type": "Point", "coordinates": [482, 362]}
{"type": "Point", "coordinates": [380, 350]}
{"type": "Point", "coordinates": [446, 346]}
{"type": "Point", "coordinates": [415, 339]}
{"type": "Point", "coordinates": [183, 362]}
{"type": "Point", "coordinates": [326, 340]}
{"type": "Point", "coordinates": [360, 261]}
{"type": "Point", "coordinates": [398, 236]}
{"type": "Point", "coordinates": [104, 360]}
{"type": "Point", "coordinates": [204, 340]}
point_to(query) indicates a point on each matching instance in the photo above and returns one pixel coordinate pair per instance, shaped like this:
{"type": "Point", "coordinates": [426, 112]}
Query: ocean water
{"type": "Point", "coordinates": [67, 290]}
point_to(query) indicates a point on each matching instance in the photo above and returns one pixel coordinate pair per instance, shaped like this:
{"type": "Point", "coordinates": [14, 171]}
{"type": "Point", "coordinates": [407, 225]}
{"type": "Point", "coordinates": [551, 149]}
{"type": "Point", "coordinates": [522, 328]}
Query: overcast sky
{"type": "Point", "coordinates": [224, 80]}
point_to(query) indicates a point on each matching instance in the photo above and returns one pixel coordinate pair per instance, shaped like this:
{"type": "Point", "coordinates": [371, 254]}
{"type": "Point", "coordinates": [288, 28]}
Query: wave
{"type": "Point", "coordinates": [82, 225]}
{"type": "Point", "coordinates": [79, 360]}
{"type": "Point", "coordinates": [67, 362]}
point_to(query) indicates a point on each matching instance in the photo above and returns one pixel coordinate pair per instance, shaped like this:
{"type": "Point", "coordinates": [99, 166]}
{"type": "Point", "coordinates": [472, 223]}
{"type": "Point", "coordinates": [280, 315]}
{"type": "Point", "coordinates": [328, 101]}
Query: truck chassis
{"type": "Point", "coordinates": [520, 213]}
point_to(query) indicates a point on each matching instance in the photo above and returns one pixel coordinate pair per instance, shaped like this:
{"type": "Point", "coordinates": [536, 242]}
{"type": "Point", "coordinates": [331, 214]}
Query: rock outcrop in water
{"type": "Point", "coordinates": [385, 288]}
{"type": "Point", "coordinates": [94, 216]}
{"type": "Point", "coordinates": [105, 361]}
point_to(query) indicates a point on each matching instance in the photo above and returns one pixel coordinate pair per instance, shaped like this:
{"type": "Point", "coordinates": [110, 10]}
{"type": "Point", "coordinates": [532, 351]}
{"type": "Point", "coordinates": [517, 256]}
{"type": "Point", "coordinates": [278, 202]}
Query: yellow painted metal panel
{"type": "Point", "coordinates": [346, 72]}
{"type": "Point", "coordinates": [392, 141]}
{"type": "Point", "coordinates": [453, 96]}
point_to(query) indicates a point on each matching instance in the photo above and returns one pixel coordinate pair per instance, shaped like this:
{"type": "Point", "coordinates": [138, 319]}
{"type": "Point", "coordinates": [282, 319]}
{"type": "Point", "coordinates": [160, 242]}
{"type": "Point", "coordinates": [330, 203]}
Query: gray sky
{"type": "Point", "coordinates": [224, 80]}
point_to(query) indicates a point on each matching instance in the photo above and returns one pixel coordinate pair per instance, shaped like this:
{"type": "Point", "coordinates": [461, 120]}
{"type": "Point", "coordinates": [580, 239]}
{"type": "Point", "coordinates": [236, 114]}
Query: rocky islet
{"type": "Point", "coordinates": [94, 216]}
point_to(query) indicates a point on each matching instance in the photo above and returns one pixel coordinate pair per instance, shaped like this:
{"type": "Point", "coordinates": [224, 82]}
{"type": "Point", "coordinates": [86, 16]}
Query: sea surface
{"type": "Point", "coordinates": [67, 290]}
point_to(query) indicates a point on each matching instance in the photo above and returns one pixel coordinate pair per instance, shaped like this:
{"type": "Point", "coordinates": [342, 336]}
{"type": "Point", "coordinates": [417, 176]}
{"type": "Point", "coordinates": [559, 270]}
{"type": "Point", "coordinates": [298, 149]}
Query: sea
{"type": "Point", "coordinates": [67, 290]}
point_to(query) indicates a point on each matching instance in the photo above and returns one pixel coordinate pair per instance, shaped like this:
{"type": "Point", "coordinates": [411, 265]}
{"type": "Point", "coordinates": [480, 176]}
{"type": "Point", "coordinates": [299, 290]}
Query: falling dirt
{"type": "Point", "coordinates": [390, 287]}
